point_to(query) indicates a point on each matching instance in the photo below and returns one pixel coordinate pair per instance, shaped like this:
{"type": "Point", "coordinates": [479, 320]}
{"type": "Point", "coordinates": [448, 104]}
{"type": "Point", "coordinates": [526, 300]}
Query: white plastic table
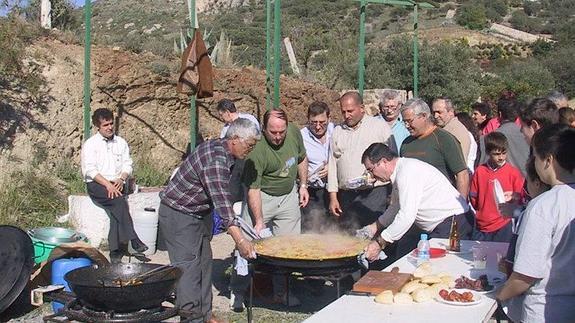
{"type": "Point", "coordinates": [352, 308]}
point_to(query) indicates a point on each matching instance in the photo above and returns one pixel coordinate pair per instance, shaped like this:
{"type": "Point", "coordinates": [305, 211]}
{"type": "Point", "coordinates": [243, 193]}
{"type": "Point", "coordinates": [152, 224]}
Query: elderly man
{"type": "Point", "coordinates": [106, 164]}
{"type": "Point", "coordinates": [433, 145]}
{"type": "Point", "coordinates": [390, 103]}
{"type": "Point", "coordinates": [199, 186]}
{"type": "Point", "coordinates": [316, 137]}
{"type": "Point", "coordinates": [420, 196]}
{"type": "Point", "coordinates": [273, 198]}
{"type": "Point", "coordinates": [444, 114]}
{"type": "Point", "coordinates": [229, 113]}
{"type": "Point", "coordinates": [354, 199]}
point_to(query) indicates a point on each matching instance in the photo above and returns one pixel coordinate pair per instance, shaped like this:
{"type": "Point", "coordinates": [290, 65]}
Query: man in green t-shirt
{"type": "Point", "coordinates": [273, 198]}
{"type": "Point", "coordinates": [437, 147]}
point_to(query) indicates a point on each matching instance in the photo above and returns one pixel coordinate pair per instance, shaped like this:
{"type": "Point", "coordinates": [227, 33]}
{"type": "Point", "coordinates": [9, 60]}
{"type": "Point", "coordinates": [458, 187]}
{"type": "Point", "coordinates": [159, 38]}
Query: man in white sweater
{"type": "Point", "coordinates": [420, 195]}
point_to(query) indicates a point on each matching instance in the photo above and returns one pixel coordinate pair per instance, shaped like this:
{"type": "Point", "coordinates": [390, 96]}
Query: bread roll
{"type": "Point", "coordinates": [435, 288]}
{"type": "Point", "coordinates": [448, 280]}
{"type": "Point", "coordinates": [431, 279]}
{"type": "Point", "coordinates": [412, 286]}
{"type": "Point", "coordinates": [422, 295]}
{"type": "Point", "coordinates": [422, 270]}
{"type": "Point", "coordinates": [402, 298]}
{"type": "Point", "coordinates": [385, 297]}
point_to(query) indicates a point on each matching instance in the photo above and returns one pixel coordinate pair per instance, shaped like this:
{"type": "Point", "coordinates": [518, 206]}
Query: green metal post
{"type": "Point", "coordinates": [268, 54]}
{"type": "Point", "coordinates": [415, 53]}
{"type": "Point", "coordinates": [361, 59]}
{"type": "Point", "coordinates": [87, 53]}
{"type": "Point", "coordinates": [277, 48]}
{"type": "Point", "coordinates": [193, 112]}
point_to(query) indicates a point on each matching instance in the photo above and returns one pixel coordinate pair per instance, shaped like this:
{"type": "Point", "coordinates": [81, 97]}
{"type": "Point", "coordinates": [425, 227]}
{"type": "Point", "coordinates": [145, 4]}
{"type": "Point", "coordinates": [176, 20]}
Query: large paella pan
{"type": "Point", "coordinates": [310, 250]}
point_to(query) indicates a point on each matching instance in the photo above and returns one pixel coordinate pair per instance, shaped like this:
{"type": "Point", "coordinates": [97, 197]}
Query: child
{"type": "Point", "coordinates": [534, 187]}
{"type": "Point", "coordinates": [541, 287]}
{"type": "Point", "coordinates": [490, 224]}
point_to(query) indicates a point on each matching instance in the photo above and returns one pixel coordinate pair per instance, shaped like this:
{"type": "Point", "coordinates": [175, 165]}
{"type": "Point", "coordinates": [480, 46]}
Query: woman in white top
{"type": "Point", "coordinates": [541, 287]}
{"type": "Point", "coordinates": [473, 134]}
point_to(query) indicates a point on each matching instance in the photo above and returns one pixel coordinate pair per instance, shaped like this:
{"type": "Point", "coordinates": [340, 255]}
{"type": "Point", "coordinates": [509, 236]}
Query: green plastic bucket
{"type": "Point", "coordinates": [45, 239]}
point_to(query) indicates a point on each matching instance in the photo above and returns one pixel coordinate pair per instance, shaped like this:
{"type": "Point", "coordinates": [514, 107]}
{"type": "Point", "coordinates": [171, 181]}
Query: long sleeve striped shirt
{"type": "Point", "coordinates": [201, 183]}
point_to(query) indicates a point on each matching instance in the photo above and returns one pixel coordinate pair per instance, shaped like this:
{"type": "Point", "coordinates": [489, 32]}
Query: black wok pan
{"type": "Point", "coordinates": [92, 286]}
{"type": "Point", "coordinates": [16, 263]}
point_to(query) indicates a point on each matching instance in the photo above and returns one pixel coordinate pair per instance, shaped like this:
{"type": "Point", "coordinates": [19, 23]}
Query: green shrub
{"type": "Point", "coordinates": [147, 173]}
{"type": "Point", "coordinates": [71, 174]}
{"type": "Point", "coordinates": [30, 200]}
{"type": "Point", "coordinates": [472, 16]}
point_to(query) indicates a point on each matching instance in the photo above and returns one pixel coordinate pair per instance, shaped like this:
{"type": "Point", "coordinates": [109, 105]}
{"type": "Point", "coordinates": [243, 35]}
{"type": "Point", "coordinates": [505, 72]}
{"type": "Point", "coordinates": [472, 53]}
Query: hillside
{"type": "Point", "coordinates": [152, 116]}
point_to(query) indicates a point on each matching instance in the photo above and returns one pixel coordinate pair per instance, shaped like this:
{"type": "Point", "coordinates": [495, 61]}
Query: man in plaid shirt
{"type": "Point", "coordinates": [200, 185]}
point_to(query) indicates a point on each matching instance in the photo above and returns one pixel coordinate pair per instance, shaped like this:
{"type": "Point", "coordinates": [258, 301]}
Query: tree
{"type": "Point", "coordinates": [445, 69]}
{"type": "Point", "coordinates": [471, 15]}
{"type": "Point", "coordinates": [560, 63]}
{"type": "Point", "coordinates": [62, 13]}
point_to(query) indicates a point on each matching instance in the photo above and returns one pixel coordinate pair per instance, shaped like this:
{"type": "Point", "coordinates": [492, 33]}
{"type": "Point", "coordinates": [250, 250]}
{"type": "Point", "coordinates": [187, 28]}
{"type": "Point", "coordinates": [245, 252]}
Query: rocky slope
{"type": "Point", "coordinates": [151, 115]}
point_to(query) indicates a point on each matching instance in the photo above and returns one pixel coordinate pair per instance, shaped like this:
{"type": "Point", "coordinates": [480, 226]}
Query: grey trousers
{"type": "Point", "coordinates": [188, 239]}
{"type": "Point", "coordinates": [282, 214]}
{"type": "Point", "coordinates": [121, 225]}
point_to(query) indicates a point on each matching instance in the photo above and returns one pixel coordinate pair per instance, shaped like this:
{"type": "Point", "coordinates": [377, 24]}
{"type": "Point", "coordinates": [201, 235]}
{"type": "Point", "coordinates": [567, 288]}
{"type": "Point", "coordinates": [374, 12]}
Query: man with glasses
{"type": "Point", "coordinates": [433, 145]}
{"type": "Point", "coordinates": [421, 197]}
{"type": "Point", "coordinates": [316, 138]}
{"type": "Point", "coordinates": [355, 200]}
{"type": "Point", "coordinates": [200, 185]}
{"type": "Point", "coordinates": [390, 103]}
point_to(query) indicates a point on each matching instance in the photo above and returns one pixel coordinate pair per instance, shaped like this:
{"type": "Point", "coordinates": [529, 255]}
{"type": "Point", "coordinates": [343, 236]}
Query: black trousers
{"type": "Point", "coordinates": [361, 207]}
{"type": "Point", "coordinates": [121, 225]}
{"type": "Point", "coordinates": [188, 239]}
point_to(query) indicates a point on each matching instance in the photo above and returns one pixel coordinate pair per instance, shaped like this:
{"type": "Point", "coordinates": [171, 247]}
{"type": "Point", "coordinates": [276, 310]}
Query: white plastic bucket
{"type": "Point", "coordinates": [146, 226]}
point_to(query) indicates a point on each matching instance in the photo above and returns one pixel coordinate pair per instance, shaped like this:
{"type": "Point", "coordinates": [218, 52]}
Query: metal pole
{"type": "Point", "coordinates": [415, 53]}
{"type": "Point", "coordinates": [87, 53]}
{"type": "Point", "coordinates": [193, 111]}
{"type": "Point", "coordinates": [361, 60]}
{"type": "Point", "coordinates": [268, 54]}
{"type": "Point", "coordinates": [277, 48]}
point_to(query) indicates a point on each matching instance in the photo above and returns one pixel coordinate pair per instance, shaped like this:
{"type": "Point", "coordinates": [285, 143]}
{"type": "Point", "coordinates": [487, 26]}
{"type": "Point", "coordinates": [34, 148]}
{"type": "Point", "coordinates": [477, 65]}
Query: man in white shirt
{"type": "Point", "coordinates": [420, 196]}
{"type": "Point", "coordinates": [316, 137]}
{"type": "Point", "coordinates": [106, 164]}
{"type": "Point", "coordinates": [229, 113]}
{"type": "Point", "coordinates": [354, 199]}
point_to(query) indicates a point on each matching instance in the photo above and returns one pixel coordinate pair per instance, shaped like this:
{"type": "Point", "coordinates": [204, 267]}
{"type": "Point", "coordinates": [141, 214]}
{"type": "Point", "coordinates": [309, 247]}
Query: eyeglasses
{"type": "Point", "coordinates": [249, 145]}
{"type": "Point", "coordinates": [410, 121]}
{"type": "Point", "coordinates": [370, 170]}
{"type": "Point", "coordinates": [317, 123]}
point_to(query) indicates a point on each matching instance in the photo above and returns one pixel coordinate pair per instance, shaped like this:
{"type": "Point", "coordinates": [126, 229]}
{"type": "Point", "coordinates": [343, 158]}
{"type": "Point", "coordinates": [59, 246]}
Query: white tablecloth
{"type": "Point", "coordinates": [350, 308]}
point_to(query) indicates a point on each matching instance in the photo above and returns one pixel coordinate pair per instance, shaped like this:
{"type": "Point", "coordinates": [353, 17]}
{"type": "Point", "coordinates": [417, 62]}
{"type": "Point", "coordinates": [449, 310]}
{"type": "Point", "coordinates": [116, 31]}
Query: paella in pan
{"type": "Point", "coordinates": [311, 246]}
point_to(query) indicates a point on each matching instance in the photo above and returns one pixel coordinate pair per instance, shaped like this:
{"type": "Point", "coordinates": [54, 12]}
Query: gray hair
{"type": "Point", "coordinates": [557, 97]}
{"type": "Point", "coordinates": [448, 103]}
{"type": "Point", "coordinates": [387, 95]}
{"type": "Point", "coordinates": [418, 106]}
{"type": "Point", "coordinates": [243, 129]}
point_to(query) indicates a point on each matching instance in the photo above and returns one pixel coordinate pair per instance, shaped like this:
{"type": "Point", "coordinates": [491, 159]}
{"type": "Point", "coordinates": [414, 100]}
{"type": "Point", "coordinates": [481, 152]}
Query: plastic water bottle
{"type": "Point", "coordinates": [422, 249]}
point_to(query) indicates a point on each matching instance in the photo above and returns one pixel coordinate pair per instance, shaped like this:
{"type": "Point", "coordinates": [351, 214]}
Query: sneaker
{"type": "Point", "coordinates": [236, 302]}
{"type": "Point", "coordinates": [292, 302]}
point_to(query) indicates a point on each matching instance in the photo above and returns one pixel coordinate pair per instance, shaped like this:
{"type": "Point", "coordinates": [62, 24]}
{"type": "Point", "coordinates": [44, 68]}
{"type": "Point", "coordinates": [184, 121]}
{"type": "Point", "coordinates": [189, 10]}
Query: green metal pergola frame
{"type": "Point", "coordinates": [271, 87]}
{"type": "Point", "coordinates": [361, 46]}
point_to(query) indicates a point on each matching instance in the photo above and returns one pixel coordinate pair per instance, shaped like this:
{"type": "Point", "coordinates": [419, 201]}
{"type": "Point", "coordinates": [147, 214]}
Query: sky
{"type": "Point", "coordinates": [76, 3]}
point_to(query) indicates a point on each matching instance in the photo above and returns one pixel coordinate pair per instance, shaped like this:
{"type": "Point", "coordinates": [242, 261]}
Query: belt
{"type": "Point", "coordinates": [194, 215]}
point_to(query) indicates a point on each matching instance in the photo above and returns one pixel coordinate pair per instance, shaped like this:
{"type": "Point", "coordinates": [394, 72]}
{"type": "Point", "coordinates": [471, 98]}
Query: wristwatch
{"type": "Point", "coordinates": [303, 185]}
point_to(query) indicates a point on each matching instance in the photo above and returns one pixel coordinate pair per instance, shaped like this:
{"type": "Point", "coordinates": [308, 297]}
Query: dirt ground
{"type": "Point", "coordinates": [314, 296]}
